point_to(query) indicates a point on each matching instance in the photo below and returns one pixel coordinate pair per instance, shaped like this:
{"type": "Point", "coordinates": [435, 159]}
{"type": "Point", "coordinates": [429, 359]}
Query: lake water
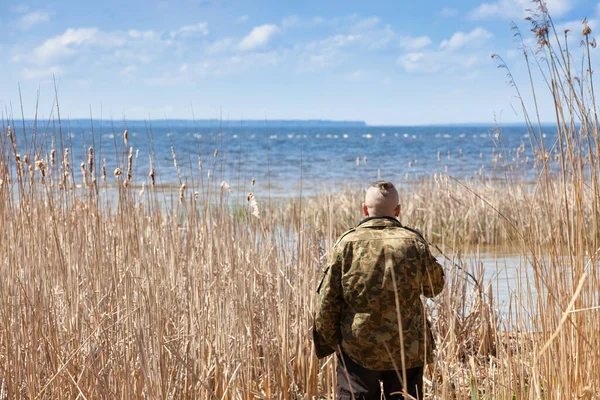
{"type": "Point", "coordinates": [285, 160]}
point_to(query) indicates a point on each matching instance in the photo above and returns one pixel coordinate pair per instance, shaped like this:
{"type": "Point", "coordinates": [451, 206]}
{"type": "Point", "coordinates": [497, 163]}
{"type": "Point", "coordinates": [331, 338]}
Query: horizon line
{"type": "Point", "coordinates": [292, 120]}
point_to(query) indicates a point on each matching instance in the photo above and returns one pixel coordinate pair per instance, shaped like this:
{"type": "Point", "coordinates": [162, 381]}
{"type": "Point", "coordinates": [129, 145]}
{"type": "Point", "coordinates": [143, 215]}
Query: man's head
{"type": "Point", "coordinates": [381, 200]}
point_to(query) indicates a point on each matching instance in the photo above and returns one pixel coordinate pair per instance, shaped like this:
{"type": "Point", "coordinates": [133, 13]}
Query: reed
{"type": "Point", "coordinates": [114, 292]}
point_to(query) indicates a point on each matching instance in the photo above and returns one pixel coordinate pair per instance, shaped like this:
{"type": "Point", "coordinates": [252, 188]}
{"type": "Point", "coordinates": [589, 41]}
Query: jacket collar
{"type": "Point", "coordinates": [370, 222]}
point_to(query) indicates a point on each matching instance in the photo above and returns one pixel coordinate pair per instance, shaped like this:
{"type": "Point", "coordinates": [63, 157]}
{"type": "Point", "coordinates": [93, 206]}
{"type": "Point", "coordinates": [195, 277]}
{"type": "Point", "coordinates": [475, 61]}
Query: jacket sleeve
{"type": "Point", "coordinates": [329, 301]}
{"type": "Point", "coordinates": [432, 272]}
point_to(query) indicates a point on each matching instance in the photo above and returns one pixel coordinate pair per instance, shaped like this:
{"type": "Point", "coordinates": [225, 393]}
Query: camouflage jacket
{"type": "Point", "coordinates": [371, 269]}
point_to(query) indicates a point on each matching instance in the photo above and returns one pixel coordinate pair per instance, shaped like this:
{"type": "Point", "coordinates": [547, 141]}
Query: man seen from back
{"type": "Point", "coordinates": [369, 306]}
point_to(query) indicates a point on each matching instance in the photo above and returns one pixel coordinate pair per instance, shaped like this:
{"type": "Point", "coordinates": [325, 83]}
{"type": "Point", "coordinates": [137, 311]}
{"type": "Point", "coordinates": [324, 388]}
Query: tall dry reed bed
{"type": "Point", "coordinates": [130, 298]}
{"type": "Point", "coordinates": [148, 294]}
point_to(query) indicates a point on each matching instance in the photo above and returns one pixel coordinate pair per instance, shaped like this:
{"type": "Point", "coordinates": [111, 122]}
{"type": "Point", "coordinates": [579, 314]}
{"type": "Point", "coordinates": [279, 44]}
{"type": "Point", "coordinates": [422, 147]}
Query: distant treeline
{"type": "Point", "coordinates": [201, 123]}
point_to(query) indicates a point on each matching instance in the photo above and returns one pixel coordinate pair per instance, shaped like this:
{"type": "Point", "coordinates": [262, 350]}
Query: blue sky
{"type": "Point", "coordinates": [386, 62]}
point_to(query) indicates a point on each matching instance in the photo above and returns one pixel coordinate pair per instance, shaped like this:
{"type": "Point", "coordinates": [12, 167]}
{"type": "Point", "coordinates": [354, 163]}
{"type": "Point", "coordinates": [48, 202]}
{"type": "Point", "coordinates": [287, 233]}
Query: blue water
{"type": "Point", "coordinates": [280, 157]}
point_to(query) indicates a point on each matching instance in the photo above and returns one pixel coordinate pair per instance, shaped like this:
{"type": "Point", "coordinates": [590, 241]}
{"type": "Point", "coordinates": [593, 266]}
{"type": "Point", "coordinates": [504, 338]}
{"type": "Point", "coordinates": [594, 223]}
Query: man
{"type": "Point", "coordinates": [369, 304]}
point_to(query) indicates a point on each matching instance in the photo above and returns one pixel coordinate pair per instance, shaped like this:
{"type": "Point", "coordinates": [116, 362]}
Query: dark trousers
{"type": "Point", "coordinates": [364, 384]}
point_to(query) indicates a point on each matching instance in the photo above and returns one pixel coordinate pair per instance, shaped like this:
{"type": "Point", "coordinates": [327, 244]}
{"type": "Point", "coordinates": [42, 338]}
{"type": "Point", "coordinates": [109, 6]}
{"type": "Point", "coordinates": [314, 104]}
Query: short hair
{"type": "Point", "coordinates": [384, 187]}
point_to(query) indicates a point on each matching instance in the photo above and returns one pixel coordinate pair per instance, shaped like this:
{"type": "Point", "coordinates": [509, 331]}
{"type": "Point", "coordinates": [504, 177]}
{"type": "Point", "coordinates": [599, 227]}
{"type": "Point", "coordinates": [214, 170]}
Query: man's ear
{"type": "Point", "coordinates": [365, 210]}
{"type": "Point", "coordinates": [397, 211]}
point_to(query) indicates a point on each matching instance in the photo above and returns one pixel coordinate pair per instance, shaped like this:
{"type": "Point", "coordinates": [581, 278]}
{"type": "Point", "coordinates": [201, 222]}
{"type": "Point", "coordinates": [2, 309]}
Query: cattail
{"type": "Point", "coordinates": [196, 196]}
{"type": "Point", "coordinates": [226, 186]}
{"type": "Point", "coordinates": [130, 164]}
{"type": "Point", "coordinates": [182, 192]}
{"type": "Point", "coordinates": [84, 174]}
{"type": "Point", "coordinates": [31, 174]}
{"type": "Point", "coordinates": [137, 153]}
{"type": "Point", "coordinates": [152, 177]}
{"type": "Point", "coordinates": [253, 181]}
{"type": "Point", "coordinates": [66, 162]}
{"type": "Point", "coordinates": [253, 204]}
{"type": "Point", "coordinates": [365, 160]}
{"type": "Point", "coordinates": [26, 159]}
{"type": "Point", "coordinates": [200, 165]}
{"type": "Point", "coordinates": [52, 156]}
{"type": "Point", "coordinates": [41, 166]}
{"type": "Point", "coordinates": [91, 160]}
{"type": "Point", "coordinates": [63, 184]}
{"type": "Point", "coordinates": [125, 137]}
{"type": "Point", "coordinates": [118, 172]}
{"type": "Point", "coordinates": [410, 164]}
{"type": "Point", "coordinates": [143, 189]}
{"type": "Point", "coordinates": [216, 152]}
{"type": "Point", "coordinates": [439, 157]}
{"type": "Point", "coordinates": [19, 165]}
{"type": "Point", "coordinates": [208, 174]}
{"type": "Point", "coordinates": [358, 161]}
{"type": "Point", "coordinates": [104, 170]}
{"type": "Point", "coordinates": [586, 30]}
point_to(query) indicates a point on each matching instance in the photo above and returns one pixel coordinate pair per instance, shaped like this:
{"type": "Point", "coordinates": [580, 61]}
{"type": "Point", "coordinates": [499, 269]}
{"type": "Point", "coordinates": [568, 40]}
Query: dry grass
{"type": "Point", "coordinates": [175, 293]}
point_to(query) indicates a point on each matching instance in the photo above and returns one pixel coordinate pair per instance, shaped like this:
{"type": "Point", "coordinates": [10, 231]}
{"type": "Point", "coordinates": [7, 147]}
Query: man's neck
{"type": "Point", "coordinates": [372, 217]}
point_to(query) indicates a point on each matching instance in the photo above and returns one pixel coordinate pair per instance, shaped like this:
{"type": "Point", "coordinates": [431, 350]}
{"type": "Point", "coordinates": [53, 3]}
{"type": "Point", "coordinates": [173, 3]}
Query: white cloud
{"type": "Point", "coordinates": [448, 12]}
{"type": "Point", "coordinates": [220, 46]}
{"type": "Point", "coordinates": [258, 37]}
{"type": "Point", "coordinates": [355, 37]}
{"type": "Point", "coordinates": [355, 76]}
{"type": "Point", "coordinates": [513, 9]}
{"type": "Point", "coordinates": [241, 19]}
{"type": "Point", "coordinates": [28, 20]}
{"type": "Point", "coordinates": [15, 58]}
{"type": "Point", "coordinates": [128, 47]}
{"type": "Point", "coordinates": [381, 38]}
{"type": "Point", "coordinates": [144, 35]}
{"type": "Point", "coordinates": [290, 21]}
{"type": "Point", "coordinates": [462, 51]}
{"type": "Point", "coordinates": [364, 24]}
{"type": "Point", "coordinates": [64, 44]}
{"type": "Point", "coordinates": [411, 61]}
{"type": "Point", "coordinates": [217, 67]}
{"type": "Point", "coordinates": [200, 28]}
{"type": "Point", "coordinates": [434, 61]}
{"type": "Point", "coordinates": [327, 52]}
{"type": "Point", "coordinates": [461, 39]}
{"type": "Point", "coordinates": [414, 43]}
{"type": "Point", "coordinates": [128, 70]}
{"type": "Point", "coordinates": [243, 62]}
{"type": "Point", "coordinates": [40, 73]}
